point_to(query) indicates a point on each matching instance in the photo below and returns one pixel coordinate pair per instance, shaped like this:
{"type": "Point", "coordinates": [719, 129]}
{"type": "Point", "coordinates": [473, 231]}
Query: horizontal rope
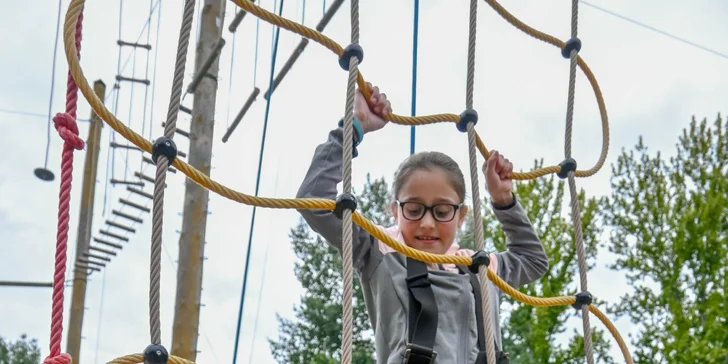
{"type": "Point", "coordinates": [139, 359]}
{"type": "Point", "coordinates": [74, 9]}
{"type": "Point", "coordinates": [327, 42]}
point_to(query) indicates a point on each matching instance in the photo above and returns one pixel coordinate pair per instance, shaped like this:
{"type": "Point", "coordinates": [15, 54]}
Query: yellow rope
{"type": "Point", "coordinates": [100, 109]}
{"type": "Point", "coordinates": [327, 42]}
{"type": "Point", "coordinates": [139, 358]}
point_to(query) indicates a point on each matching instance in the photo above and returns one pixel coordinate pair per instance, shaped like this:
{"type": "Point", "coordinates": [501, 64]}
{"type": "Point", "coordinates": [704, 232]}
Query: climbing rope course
{"type": "Point", "coordinates": [164, 153]}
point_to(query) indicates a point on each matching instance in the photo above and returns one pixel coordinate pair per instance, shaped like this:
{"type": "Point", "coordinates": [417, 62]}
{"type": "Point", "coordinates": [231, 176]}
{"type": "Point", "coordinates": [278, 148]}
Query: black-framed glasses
{"type": "Point", "coordinates": [442, 212]}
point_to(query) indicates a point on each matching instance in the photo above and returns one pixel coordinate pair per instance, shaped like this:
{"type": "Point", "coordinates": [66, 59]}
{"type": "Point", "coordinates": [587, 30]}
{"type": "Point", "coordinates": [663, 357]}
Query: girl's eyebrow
{"type": "Point", "coordinates": [437, 201]}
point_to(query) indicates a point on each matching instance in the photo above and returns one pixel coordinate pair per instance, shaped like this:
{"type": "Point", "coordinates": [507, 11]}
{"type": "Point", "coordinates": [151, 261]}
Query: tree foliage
{"type": "Point", "coordinates": [531, 334]}
{"type": "Point", "coordinates": [22, 351]}
{"type": "Point", "coordinates": [669, 230]}
{"type": "Point", "coordinates": [314, 337]}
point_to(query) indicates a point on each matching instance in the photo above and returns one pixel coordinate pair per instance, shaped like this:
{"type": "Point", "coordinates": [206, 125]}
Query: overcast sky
{"type": "Point", "coordinates": [652, 85]}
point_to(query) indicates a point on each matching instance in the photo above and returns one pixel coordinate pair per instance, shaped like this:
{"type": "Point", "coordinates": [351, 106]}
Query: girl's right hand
{"type": "Point", "coordinates": [372, 118]}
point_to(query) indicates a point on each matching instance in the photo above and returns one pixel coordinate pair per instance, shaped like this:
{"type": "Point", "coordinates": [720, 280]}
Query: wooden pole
{"type": "Point", "coordinates": [85, 221]}
{"type": "Point", "coordinates": [194, 218]}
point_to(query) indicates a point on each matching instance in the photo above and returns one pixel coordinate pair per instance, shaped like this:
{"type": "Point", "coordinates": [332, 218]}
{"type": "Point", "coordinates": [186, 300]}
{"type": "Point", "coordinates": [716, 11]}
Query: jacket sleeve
{"type": "Point", "coordinates": [323, 175]}
{"type": "Point", "coordinates": [524, 260]}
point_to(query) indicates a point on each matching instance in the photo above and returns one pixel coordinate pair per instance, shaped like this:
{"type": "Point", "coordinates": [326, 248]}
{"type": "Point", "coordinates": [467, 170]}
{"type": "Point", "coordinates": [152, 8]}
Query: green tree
{"type": "Point", "coordinates": [314, 337]}
{"type": "Point", "coordinates": [22, 351]}
{"type": "Point", "coordinates": [669, 222]}
{"type": "Point", "coordinates": [530, 334]}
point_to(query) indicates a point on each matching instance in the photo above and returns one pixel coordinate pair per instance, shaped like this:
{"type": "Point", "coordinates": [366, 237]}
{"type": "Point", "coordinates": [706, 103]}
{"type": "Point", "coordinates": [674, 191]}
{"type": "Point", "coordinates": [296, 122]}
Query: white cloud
{"type": "Point", "coordinates": [652, 86]}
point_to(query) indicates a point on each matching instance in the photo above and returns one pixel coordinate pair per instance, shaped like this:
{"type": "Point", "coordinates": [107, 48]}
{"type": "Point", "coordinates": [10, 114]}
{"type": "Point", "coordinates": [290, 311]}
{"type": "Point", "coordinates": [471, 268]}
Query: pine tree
{"type": "Point", "coordinates": [531, 334]}
{"type": "Point", "coordinates": [669, 222]}
{"type": "Point", "coordinates": [22, 351]}
{"type": "Point", "coordinates": [314, 337]}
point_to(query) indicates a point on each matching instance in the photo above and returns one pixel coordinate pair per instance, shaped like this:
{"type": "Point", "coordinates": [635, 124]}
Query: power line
{"type": "Point", "coordinates": [690, 43]}
{"type": "Point", "coordinates": [33, 114]}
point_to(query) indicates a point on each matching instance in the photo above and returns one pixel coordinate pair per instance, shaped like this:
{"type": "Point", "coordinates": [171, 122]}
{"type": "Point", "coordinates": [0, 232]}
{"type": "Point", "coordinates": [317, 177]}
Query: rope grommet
{"type": "Point", "coordinates": [345, 201]}
{"type": "Point", "coordinates": [479, 258]}
{"type": "Point", "coordinates": [467, 116]}
{"type": "Point", "coordinates": [567, 165]}
{"type": "Point", "coordinates": [166, 147]}
{"type": "Point", "coordinates": [352, 50]}
{"type": "Point", "coordinates": [155, 354]}
{"type": "Point", "coordinates": [582, 298]}
{"type": "Point", "coordinates": [571, 44]}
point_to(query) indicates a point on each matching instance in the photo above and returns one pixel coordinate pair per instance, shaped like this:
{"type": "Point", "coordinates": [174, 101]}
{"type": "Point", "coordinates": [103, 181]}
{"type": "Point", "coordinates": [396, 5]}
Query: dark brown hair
{"type": "Point", "coordinates": [429, 161]}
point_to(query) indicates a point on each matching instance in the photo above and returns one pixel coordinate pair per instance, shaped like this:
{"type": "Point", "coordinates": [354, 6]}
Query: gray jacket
{"type": "Point", "coordinates": [382, 271]}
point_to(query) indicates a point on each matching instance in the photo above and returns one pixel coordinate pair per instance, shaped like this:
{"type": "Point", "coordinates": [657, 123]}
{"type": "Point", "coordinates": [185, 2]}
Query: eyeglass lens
{"type": "Point", "coordinates": [416, 210]}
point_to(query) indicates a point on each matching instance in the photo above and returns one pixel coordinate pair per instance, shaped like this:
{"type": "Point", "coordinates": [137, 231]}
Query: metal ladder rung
{"type": "Point", "coordinates": [82, 260]}
{"type": "Point", "coordinates": [120, 226]}
{"type": "Point", "coordinates": [113, 245]}
{"type": "Point", "coordinates": [120, 182]}
{"type": "Point", "coordinates": [140, 192]}
{"type": "Point", "coordinates": [127, 216]}
{"type": "Point", "coordinates": [137, 80]}
{"type": "Point", "coordinates": [135, 45]}
{"type": "Point", "coordinates": [108, 233]}
{"type": "Point", "coordinates": [135, 205]}
{"type": "Point", "coordinates": [101, 250]}
{"type": "Point", "coordinates": [96, 256]}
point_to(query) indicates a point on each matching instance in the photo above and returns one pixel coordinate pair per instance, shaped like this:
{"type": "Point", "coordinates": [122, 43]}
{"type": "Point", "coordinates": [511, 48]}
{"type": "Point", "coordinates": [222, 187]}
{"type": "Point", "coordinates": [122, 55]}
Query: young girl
{"type": "Point", "coordinates": [436, 318]}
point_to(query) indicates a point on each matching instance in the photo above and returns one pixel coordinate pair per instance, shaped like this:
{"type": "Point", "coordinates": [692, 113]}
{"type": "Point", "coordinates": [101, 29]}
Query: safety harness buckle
{"type": "Point", "coordinates": [416, 354]}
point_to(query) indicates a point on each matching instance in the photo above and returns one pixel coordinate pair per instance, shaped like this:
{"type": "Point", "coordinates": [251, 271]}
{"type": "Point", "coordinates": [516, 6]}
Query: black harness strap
{"type": "Point", "coordinates": [475, 283]}
{"type": "Point", "coordinates": [423, 315]}
{"type": "Point", "coordinates": [422, 326]}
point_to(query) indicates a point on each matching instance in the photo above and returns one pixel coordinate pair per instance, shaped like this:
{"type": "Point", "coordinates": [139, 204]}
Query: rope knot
{"type": "Point", "coordinates": [61, 358]}
{"type": "Point", "coordinates": [68, 130]}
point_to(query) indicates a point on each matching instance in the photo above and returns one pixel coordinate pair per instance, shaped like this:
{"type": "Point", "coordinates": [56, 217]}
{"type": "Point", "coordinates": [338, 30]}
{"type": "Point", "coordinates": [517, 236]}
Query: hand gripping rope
{"type": "Point", "coordinates": [349, 59]}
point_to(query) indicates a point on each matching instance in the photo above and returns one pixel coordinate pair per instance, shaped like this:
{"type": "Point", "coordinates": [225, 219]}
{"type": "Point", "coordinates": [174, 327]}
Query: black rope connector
{"type": "Point", "coordinates": [582, 298]}
{"type": "Point", "coordinates": [155, 354]}
{"type": "Point", "coordinates": [571, 44]}
{"type": "Point", "coordinates": [479, 258]}
{"type": "Point", "coordinates": [345, 201]}
{"type": "Point", "coordinates": [166, 147]}
{"type": "Point", "coordinates": [352, 50]}
{"type": "Point", "coordinates": [467, 116]}
{"type": "Point", "coordinates": [568, 165]}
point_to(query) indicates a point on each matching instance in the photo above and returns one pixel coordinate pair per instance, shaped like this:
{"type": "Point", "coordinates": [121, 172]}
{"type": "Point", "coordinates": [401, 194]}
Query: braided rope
{"type": "Point", "coordinates": [162, 163]}
{"type": "Point", "coordinates": [347, 327]}
{"type": "Point", "coordinates": [575, 213]}
{"type": "Point", "coordinates": [480, 244]}
{"type": "Point", "coordinates": [75, 8]}
{"type": "Point", "coordinates": [65, 124]}
{"type": "Point", "coordinates": [438, 118]}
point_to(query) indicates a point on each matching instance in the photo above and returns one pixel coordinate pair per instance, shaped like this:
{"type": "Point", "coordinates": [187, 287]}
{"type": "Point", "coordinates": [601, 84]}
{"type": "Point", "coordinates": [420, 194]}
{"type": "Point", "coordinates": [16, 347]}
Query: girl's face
{"type": "Point", "coordinates": [428, 211]}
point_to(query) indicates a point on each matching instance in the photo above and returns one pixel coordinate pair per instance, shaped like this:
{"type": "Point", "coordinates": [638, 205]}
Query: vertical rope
{"type": "Point", "coordinates": [483, 274]}
{"type": "Point", "coordinates": [575, 213]}
{"type": "Point", "coordinates": [415, 40]}
{"type": "Point", "coordinates": [162, 164]}
{"type": "Point", "coordinates": [347, 328]}
{"type": "Point", "coordinates": [67, 128]}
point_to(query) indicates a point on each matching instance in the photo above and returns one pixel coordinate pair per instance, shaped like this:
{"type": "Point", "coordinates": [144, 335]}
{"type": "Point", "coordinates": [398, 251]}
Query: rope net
{"type": "Point", "coordinates": [164, 154]}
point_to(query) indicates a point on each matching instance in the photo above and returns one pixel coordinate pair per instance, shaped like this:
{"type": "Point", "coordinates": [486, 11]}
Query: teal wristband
{"type": "Point", "coordinates": [358, 130]}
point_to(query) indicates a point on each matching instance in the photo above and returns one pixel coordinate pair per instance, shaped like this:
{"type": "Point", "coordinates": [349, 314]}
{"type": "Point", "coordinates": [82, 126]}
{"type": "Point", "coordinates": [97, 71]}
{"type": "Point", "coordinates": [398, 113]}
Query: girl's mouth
{"type": "Point", "coordinates": [427, 239]}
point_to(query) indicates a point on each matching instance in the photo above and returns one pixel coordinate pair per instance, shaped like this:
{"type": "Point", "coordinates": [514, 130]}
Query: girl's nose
{"type": "Point", "coordinates": [428, 220]}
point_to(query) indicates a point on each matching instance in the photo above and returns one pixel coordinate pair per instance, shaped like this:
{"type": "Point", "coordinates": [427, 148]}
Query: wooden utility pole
{"type": "Point", "coordinates": [85, 221]}
{"type": "Point", "coordinates": [194, 220]}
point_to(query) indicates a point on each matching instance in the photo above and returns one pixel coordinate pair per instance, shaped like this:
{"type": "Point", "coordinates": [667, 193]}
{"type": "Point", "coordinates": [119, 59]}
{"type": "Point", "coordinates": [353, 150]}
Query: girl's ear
{"type": "Point", "coordinates": [462, 213]}
{"type": "Point", "coordinates": [393, 206]}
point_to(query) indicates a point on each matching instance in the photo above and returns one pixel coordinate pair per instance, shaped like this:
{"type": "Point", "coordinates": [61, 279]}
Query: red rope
{"type": "Point", "coordinates": [67, 128]}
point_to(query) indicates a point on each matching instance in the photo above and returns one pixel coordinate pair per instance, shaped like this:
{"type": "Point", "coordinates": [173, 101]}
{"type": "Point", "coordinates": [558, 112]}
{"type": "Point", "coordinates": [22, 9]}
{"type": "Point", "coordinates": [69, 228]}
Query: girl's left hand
{"type": "Point", "coordinates": [498, 170]}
